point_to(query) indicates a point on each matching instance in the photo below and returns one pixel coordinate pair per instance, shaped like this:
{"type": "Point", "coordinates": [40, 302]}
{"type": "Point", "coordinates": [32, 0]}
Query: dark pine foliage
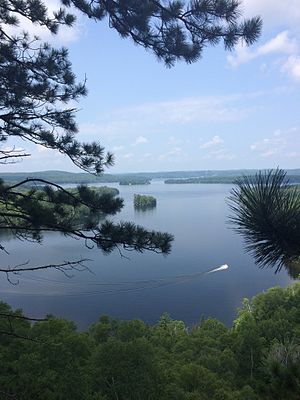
{"type": "Point", "coordinates": [175, 30]}
{"type": "Point", "coordinates": [266, 211]}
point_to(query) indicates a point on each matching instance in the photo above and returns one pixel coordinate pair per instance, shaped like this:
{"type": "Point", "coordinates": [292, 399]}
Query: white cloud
{"type": "Point", "coordinates": [215, 141]}
{"type": "Point", "coordinates": [269, 146]}
{"type": "Point", "coordinates": [44, 150]}
{"type": "Point", "coordinates": [140, 140]}
{"type": "Point", "coordinates": [117, 148]}
{"type": "Point", "coordinates": [282, 43]}
{"type": "Point", "coordinates": [160, 117]}
{"type": "Point", "coordinates": [65, 34]}
{"type": "Point", "coordinates": [292, 67]}
{"type": "Point", "coordinates": [269, 153]}
{"type": "Point", "coordinates": [220, 154]}
{"type": "Point", "coordinates": [147, 155]}
{"type": "Point", "coordinates": [293, 154]}
{"type": "Point", "coordinates": [189, 110]}
{"type": "Point", "coordinates": [112, 126]}
{"type": "Point", "coordinates": [274, 12]}
{"type": "Point", "coordinates": [183, 111]}
{"type": "Point", "coordinates": [280, 16]}
{"type": "Point", "coordinates": [281, 143]}
{"type": "Point", "coordinates": [173, 141]}
{"type": "Point", "coordinates": [175, 152]}
{"type": "Point", "coordinates": [223, 154]}
{"type": "Point", "coordinates": [128, 156]}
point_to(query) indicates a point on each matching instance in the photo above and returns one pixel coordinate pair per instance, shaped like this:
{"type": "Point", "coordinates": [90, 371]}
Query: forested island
{"type": "Point", "coordinates": [212, 179]}
{"type": "Point", "coordinates": [134, 181]}
{"type": "Point", "coordinates": [258, 358]}
{"type": "Point", "coordinates": [293, 179]}
{"type": "Point", "coordinates": [142, 202]}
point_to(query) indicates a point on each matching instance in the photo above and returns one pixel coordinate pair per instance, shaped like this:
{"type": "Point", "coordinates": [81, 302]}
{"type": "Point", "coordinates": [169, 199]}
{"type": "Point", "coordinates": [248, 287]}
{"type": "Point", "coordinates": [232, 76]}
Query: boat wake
{"type": "Point", "coordinates": [55, 287]}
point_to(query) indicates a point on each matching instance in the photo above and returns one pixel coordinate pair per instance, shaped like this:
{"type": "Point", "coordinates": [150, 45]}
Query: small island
{"type": "Point", "coordinates": [135, 181]}
{"type": "Point", "coordinates": [142, 202]}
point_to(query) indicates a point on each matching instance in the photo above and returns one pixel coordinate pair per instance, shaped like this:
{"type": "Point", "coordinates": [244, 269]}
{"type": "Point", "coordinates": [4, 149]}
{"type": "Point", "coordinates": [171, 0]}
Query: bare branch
{"type": "Point", "coordinates": [11, 156]}
{"type": "Point", "coordinates": [65, 267]}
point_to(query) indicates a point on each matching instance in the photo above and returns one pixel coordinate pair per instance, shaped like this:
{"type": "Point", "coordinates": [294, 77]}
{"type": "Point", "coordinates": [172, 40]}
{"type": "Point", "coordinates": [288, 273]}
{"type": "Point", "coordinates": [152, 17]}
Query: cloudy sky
{"type": "Point", "coordinates": [227, 111]}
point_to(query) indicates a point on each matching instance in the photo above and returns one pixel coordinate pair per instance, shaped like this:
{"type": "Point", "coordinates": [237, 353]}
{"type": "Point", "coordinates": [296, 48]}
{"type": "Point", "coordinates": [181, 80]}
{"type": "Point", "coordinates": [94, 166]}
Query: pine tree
{"type": "Point", "coordinates": [37, 84]}
{"type": "Point", "coordinates": [266, 212]}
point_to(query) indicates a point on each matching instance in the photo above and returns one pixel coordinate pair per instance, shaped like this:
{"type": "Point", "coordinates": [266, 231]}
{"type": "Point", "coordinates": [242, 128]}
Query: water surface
{"type": "Point", "coordinates": [146, 285]}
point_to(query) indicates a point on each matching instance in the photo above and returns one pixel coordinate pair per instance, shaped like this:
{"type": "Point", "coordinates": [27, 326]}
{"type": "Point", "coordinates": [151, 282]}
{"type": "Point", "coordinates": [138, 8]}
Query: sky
{"type": "Point", "coordinates": [229, 110]}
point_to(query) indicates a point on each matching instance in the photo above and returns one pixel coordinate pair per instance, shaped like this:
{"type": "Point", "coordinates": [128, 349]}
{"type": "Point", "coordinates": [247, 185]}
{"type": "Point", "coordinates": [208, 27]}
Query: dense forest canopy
{"type": "Point", "coordinates": [258, 358]}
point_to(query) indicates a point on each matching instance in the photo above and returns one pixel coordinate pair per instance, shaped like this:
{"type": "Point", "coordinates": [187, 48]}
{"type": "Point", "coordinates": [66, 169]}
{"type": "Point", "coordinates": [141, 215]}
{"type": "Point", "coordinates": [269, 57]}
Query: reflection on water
{"type": "Point", "coordinates": [144, 210]}
{"type": "Point", "coordinates": [6, 235]}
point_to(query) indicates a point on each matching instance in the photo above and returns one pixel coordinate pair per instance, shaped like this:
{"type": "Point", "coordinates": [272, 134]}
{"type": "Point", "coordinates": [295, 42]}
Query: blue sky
{"type": "Point", "coordinates": [227, 111]}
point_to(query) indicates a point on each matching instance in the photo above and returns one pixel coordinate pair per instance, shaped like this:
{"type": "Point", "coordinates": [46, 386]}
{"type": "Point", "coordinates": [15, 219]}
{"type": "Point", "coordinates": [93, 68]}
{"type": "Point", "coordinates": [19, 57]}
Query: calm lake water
{"type": "Point", "coordinates": [146, 285]}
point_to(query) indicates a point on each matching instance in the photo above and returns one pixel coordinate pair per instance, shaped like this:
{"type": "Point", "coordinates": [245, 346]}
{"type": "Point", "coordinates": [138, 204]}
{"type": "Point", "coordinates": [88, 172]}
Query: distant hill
{"type": "Point", "coordinates": [214, 176]}
{"type": "Point", "coordinates": [59, 177]}
{"type": "Point", "coordinates": [293, 179]}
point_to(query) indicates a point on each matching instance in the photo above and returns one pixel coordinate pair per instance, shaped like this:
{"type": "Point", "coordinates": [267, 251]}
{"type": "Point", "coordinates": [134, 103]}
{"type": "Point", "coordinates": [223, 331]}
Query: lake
{"type": "Point", "coordinates": [146, 285]}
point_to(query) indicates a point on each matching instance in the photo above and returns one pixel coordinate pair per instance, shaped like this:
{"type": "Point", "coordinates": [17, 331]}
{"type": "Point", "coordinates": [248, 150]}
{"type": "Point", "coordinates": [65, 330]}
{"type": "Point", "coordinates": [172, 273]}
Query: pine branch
{"type": "Point", "coordinates": [175, 30]}
{"type": "Point", "coordinates": [266, 212]}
